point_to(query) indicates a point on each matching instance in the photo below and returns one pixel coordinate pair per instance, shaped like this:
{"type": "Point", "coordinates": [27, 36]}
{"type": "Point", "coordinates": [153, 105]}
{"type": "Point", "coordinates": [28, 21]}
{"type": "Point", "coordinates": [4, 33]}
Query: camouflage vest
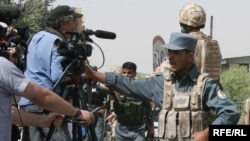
{"type": "Point", "coordinates": [207, 55]}
{"type": "Point", "coordinates": [130, 111]}
{"type": "Point", "coordinates": [182, 112]}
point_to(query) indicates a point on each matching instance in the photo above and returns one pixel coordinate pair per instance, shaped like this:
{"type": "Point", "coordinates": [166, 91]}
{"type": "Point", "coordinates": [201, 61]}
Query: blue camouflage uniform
{"type": "Point", "coordinates": [152, 89]}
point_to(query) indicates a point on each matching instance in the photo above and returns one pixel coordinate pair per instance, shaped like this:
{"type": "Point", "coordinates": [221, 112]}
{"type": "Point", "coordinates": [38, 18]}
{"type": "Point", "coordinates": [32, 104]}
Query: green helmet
{"type": "Point", "coordinates": [192, 15]}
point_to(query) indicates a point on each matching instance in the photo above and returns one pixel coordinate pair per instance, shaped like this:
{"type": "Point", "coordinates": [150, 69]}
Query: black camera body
{"type": "Point", "coordinates": [14, 40]}
{"type": "Point", "coordinates": [77, 46]}
{"type": "Point", "coordinates": [73, 48]}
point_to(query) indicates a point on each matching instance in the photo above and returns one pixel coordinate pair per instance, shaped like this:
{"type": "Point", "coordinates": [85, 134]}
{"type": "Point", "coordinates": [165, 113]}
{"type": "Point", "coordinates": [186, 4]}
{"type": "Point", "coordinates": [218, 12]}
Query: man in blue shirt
{"type": "Point", "coordinates": [43, 64]}
{"type": "Point", "coordinates": [182, 106]}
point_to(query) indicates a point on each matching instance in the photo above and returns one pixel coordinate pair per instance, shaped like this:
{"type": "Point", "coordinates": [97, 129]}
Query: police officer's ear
{"type": "Point", "coordinates": [190, 54]}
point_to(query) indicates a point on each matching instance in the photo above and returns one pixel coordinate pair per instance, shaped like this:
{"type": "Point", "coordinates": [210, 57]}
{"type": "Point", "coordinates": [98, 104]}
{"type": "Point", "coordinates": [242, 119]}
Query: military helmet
{"type": "Point", "coordinates": [192, 15]}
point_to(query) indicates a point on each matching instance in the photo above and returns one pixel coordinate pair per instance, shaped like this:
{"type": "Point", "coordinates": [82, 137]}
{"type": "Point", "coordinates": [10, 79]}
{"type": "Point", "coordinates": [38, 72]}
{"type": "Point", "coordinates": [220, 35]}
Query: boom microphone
{"type": "Point", "coordinates": [100, 34]}
{"type": "Point", "coordinates": [104, 34]}
{"type": "Point", "coordinates": [9, 11]}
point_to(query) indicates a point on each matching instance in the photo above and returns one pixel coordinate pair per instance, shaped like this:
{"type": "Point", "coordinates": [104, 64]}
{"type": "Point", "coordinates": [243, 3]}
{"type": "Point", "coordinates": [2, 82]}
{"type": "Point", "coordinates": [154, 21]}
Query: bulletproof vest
{"type": "Point", "coordinates": [130, 111]}
{"type": "Point", "coordinates": [207, 55]}
{"type": "Point", "coordinates": [182, 113]}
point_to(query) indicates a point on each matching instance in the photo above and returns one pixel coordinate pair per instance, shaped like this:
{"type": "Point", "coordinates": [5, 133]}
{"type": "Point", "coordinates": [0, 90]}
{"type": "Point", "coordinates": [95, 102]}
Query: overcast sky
{"type": "Point", "coordinates": [137, 22]}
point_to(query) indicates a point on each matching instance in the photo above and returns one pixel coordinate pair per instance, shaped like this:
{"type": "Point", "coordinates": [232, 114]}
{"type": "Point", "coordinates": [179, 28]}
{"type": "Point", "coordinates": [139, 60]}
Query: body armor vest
{"type": "Point", "coordinates": [182, 112]}
{"type": "Point", "coordinates": [207, 55]}
{"type": "Point", "coordinates": [130, 111]}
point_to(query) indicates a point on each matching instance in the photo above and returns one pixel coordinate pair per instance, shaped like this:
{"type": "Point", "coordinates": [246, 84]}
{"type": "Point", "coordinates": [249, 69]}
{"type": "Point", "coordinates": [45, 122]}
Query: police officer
{"type": "Point", "coordinates": [132, 114]}
{"type": "Point", "coordinates": [185, 95]}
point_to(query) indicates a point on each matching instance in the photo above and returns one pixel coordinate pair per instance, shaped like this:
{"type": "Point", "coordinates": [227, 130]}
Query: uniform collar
{"type": "Point", "coordinates": [192, 74]}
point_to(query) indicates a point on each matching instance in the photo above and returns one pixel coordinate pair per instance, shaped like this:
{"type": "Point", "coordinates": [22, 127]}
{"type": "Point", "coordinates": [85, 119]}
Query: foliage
{"type": "Point", "coordinates": [236, 83]}
{"type": "Point", "coordinates": [34, 14]}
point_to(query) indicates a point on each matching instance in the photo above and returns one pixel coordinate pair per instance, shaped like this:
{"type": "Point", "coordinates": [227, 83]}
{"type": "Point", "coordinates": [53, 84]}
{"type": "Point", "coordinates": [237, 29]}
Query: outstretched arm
{"type": "Point", "coordinates": [53, 102]}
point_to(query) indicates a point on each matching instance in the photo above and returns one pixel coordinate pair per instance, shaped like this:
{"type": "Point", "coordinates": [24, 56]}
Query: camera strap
{"type": "Point", "coordinates": [55, 32]}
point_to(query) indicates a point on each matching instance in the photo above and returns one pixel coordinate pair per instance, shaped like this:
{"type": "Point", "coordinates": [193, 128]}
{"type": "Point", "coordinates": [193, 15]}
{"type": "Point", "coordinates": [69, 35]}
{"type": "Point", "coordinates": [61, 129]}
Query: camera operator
{"type": "Point", "coordinates": [12, 81]}
{"type": "Point", "coordinates": [9, 39]}
{"type": "Point", "coordinates": [43, 65]}
{"type": "Point", "coordinates": [21, 117]}
{"type": "Point", "coordinates": [10, 44]}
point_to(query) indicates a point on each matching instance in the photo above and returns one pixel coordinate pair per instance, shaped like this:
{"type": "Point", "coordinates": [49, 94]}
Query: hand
{"type": "Point", "coordinates": [112, 116]}
{"type": "Point", "coordinates": [86, 116]}
{"type": "Point", "coordinates": [56, 119]}
{"type": "Point", "coordinates": [201, 135]}
{"type": "Point", "coordinates": [87, 71]}
{"type": "Point", "coordinates": [151, 132]}
{"type": "Point", "coordinates": [11, 29]}
{"type": "Point", "coordinates": [12, 51]}
{"type": "Point", "coordinates": [101, 111]}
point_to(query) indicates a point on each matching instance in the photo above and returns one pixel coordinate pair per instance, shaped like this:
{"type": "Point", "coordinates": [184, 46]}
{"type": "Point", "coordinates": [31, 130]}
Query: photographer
{"type": "Point", "coordinates": [9, 40]}
{"type": "Point", "coordinates": [43, 64]}
{"type": "Point", "coordinates": [21, 117]}
{"type": "Point", "coordinates": [12, 81]}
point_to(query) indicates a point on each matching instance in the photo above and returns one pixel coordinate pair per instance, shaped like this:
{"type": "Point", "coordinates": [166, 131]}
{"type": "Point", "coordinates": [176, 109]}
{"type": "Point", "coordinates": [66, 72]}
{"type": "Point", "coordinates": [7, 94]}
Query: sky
{"type": "Point", "coordinates": [137, 22]}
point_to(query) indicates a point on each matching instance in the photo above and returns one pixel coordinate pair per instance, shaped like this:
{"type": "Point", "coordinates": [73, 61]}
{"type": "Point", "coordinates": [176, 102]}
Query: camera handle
{"type": "Point", "coordinates": [77, 90]}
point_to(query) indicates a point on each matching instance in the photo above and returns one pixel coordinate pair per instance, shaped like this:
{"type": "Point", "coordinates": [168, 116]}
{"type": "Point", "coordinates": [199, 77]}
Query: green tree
{"type": "Point", "coordinates": [236, 83]}
{"type": "Point", "coordinates": [34, 14]}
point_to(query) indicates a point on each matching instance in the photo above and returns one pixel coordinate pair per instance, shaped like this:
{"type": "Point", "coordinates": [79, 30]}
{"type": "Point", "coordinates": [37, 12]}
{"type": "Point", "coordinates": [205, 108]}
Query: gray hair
{"type": "Point", "coordinates": [56, 23]}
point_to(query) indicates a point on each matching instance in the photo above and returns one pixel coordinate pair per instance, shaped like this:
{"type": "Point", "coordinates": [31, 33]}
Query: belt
{"type": "Point", "coordinates": [130, 123]}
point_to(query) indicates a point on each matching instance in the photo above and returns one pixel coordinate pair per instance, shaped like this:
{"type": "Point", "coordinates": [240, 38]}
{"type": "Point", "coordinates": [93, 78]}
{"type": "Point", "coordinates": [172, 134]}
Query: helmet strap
{"type": "Point", "coordinates": [187, 29]}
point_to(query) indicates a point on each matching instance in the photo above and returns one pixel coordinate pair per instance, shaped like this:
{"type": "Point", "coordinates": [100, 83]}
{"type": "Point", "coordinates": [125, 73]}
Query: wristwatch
{"type": "Point", "coordinates": [78, 113]}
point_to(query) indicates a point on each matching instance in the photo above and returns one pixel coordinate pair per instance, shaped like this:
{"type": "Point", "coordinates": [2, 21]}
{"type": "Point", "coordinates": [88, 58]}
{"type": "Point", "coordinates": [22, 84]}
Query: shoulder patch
{"type": "Point", "coordinates": [221, 94]}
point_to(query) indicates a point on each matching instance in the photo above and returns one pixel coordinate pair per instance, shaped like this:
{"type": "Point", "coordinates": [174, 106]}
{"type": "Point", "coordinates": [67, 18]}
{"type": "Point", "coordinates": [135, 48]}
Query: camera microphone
{"type": "Point", "coordinates": [104, 34]}
{"type": "Point", "coordinates": [100, 34]}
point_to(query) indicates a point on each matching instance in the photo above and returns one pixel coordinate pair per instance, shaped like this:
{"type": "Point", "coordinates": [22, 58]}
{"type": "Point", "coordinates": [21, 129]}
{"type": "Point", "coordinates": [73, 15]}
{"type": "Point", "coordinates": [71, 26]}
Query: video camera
{"type": "Point", "coordinates": [16, 39]}
{"type": "Point", "coordinates": [78, 45]}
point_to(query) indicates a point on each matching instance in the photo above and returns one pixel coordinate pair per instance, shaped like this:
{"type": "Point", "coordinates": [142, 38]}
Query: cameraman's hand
{"type": "Point", "coordinates": [11, 29]}
{"type": "Point", "coordinates": [47, 120]}
{"type": "Point", "coordinates": [86, 116]}
{"type": "Point", "coordinates": [12, 51]}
